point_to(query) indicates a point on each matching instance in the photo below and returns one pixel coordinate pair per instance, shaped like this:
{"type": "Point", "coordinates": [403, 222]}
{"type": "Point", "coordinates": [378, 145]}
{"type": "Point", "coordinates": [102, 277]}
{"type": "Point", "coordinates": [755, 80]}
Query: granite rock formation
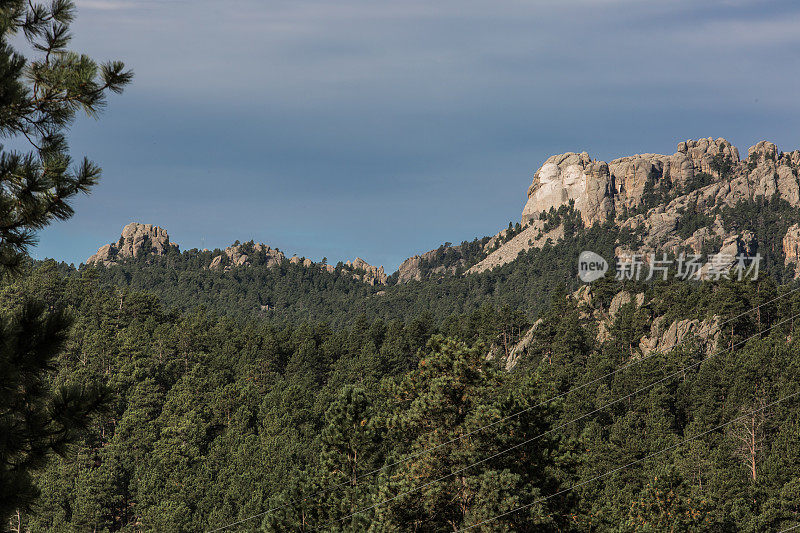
{"type": "Point", "coordinates": [137, 240]}
{"type": "Point", "coordinates": [412, 268]}
{"type": "Point", "coordinates": [533, 236]}
{"type": "Point", "coordinates": [652, 193]}
{"type": "Point", "coordinates": [244, 255]}
{"type": "Point", "coordinates": [791, 248]}
{"type": "Point", "coordinates": [367, 273]}
{"type": "Point", "coordinates": [601, 190]}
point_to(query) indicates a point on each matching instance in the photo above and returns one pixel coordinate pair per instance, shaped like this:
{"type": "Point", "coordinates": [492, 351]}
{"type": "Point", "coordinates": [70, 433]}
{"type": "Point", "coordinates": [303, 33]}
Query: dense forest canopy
{"type": "Point", "coordinates": [358, 421]}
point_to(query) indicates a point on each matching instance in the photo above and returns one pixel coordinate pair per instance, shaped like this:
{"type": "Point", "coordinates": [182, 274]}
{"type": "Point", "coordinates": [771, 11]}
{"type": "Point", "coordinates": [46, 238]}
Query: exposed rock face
{"type": "Point", "coordinates": [619, 299]}
{"type": "Point", "coordinates": [573, 177]}
{"type": "Point", "coordinates": [606, 319]}
{"type": "Point", "coordinates": [584, 296]}
{"type": "Point", "coordinates": [624, 189]}
{"type": "Point", "coordinates": [244, 255]}
{"type": "Point", "coordinates": [601, 189]}
{"type": "Point", "coordinates": [663, 339]}
{"type": "Point", "coordinates": [651, 194]}
{"type": "Point", "coordinates": [791, 248]}
{"type": "Point", "coordinates": [366, 272]}
{"type": "Point", "coordinates": [306, 262]}
{"type": "Point", "coordinates": [414, 267]}
{"type": "Point", "coordinates": [410, 268]}
{"type": "Point", "coordinates": [618, 190]}
{"type": "Point", "coordinates": [518, 350]}
{"type": "Point", "coordinates": [663, 336]}
{"type": "Point", "coordinates": [137, 240]}
{"type": "Point", "coordinates": [531, 237]}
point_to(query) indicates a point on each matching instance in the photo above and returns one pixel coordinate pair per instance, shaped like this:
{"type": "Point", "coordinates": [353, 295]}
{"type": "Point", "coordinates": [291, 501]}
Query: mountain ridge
{"type": "Point", "coordinates": [659, 197]}
{"type": "Point", "coordinates": [673, 202]}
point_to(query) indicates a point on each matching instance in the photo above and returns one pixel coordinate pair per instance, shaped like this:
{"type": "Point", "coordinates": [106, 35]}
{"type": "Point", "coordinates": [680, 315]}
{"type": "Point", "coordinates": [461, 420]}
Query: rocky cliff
{"type": "Point", "coordinates": [244, 255]}
{"type": "Point", "coordinates": [707, 171]}
{"type": "Point", "coordinates": [650, 195]}
{"type": "Point", "coordinates": [654, 194]}
{"type": "Point", "coordinates": [601, 190]}
{"type": "Point", "coordinates": [136, 240]}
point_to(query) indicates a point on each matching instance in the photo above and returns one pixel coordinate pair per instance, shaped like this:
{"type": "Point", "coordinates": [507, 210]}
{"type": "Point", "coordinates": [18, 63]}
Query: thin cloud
{"type": "Point", "coordinates": [104, 5]}
{"type": "Point", "coordinates": [746, 33]}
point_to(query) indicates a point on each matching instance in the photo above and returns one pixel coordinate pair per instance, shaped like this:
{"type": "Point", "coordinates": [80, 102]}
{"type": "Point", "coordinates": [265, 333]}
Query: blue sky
{"type": "Point", "coordinates": [382, 129]}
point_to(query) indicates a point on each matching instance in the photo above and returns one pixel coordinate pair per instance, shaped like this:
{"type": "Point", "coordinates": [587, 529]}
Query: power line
{"type": "Point", "coordinates": [615, 470]}
{"type": "Point", "coordinates": [565, 424]}
{"type": "Point", "coordinates": [492, 424]}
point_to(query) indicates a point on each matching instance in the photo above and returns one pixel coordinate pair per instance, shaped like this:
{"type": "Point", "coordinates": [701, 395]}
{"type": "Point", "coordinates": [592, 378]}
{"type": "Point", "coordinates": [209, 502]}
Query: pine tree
{"type": "Point", "coordinates": [666, 504]}
{"type": "Point", "coordinates": [39, 100]}
{"type": "Point", "coordinates": [328, 496]}
{"type": "Point", "coordinates": [448, 481]}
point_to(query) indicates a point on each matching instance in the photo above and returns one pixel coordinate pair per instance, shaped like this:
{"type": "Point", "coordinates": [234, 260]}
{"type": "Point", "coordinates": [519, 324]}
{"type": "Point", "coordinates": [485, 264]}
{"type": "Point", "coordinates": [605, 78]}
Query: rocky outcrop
{"type": "Point", "coordinates": [508, 355]}
{"type": "Point", "coordinates": [410, 269]}
{"type": "Point", "coordinates": [601, 190]}
{"type": "Point", "coordinates": [367, 273]}
{"type": "Point", "coordinates": [606, 318]}
{"type": "Point", "coordinates": [623, 298]}
{"type": "Point", "coordinates": [532, 236]}
{"type": "Point", "coordinates": [428, 265]}
{"type": "Point", "coordinates": [651, 194]}
{"type": "Point", "coordinates": [571, 177]}
{"type": "Point", "coordinates": [664, 338]}
{"type": "Point", "coordinates": [704, 238]}
{"type": "Point", "coordinates": [145, 240]}
{"type": "Point", "coordinates": [137, 240]}
{"type": "Point", "coordinates": [244, 254]}
{"type": "Point", "coordinates": [519, 349]}
{"type": "Point", "coordinates": [306, 262]}
{"type": "Point", "coordinates": [664, 334]}
{"type": "Point", "coordinates": [791, 248]}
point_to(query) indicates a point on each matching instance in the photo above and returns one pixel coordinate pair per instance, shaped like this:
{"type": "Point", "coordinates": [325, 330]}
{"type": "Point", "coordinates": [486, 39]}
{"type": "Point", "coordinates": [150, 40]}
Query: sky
{"type": "Point", "coordinates": [382, 129]}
